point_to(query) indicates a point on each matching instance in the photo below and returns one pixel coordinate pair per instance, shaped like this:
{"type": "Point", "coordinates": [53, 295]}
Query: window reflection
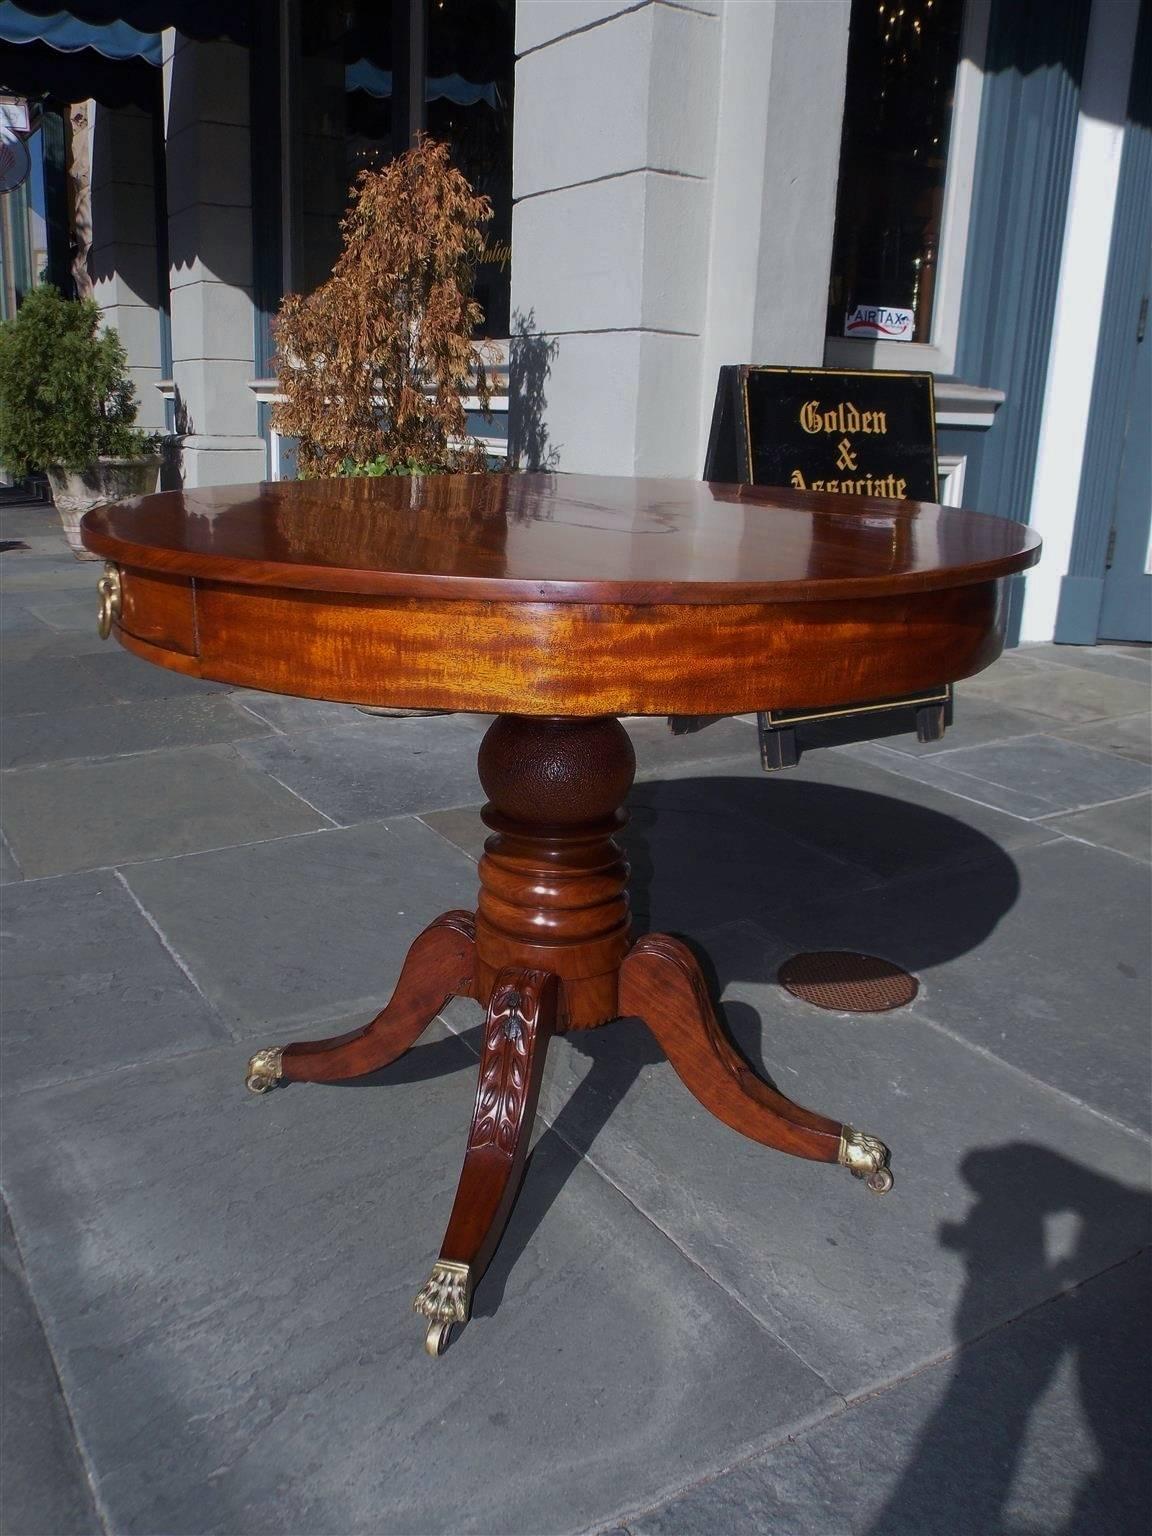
{"type": "Point", "coordinates": [469, 105]}
{"type": "Point", "coordinates": [902, 61]}
{"type": "Point", "coordinates": [347, 114]}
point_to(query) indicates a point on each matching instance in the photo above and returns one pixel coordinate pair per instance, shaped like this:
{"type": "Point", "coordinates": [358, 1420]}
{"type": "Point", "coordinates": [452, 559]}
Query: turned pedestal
{"type": "Point", "coordinates": [549, 950]}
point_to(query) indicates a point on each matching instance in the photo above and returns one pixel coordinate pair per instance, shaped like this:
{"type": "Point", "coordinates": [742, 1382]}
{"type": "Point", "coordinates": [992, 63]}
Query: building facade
{"type": "Point", "coordinates": [676, 187]}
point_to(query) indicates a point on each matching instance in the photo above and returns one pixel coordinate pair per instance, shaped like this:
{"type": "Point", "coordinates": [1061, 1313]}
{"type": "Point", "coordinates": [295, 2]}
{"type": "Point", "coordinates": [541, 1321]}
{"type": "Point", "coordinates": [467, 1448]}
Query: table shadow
{"type": "Point", "coordinates": [619, 1053]}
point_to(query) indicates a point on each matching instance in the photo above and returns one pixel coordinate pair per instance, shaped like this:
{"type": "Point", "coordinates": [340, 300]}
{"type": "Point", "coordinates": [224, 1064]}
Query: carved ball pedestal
{"type": "Point", "coordinates": [548, 950]}
{"type": "Point", "coordinates": [553, 879]}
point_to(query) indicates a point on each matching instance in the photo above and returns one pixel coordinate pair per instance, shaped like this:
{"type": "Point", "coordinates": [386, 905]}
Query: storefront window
{"type": "Point", "coordinates": [902, 63]}
{"type": "Point", "coordinates": [351, 110]}
{"type": "Point", "coordinates": [469, 106]}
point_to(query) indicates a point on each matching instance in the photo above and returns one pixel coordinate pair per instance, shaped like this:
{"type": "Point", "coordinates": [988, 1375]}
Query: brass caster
{"type": "Point", "coordinates": [865, 1157]}
{"type": "Point", "coordinates": [436, 1339]}
{"type": "Point", "coordinates": [264, 1070]}
{"type": "Point", "coordinates": [445, 1300]}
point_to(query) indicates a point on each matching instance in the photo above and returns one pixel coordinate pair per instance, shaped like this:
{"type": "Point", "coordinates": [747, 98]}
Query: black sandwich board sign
{"type": "Point", "coordinates": [852, 434]}
{"type": "Point", "coordinates": [817, 429]}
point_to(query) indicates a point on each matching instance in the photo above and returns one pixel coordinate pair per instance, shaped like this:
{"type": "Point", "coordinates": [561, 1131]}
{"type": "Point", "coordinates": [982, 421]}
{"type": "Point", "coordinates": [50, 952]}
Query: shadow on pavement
{"type": "Point", "coordinates": [961, 1474]}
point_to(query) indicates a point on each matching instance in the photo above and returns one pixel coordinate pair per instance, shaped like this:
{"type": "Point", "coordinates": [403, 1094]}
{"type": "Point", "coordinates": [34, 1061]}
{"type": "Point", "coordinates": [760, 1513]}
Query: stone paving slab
{"type": "Point", "coordinates": [72, 816]}
{"type": "Point", "coordinates": [43, 684]}
{"type": "Point", "coordinates": [9, 869]}
{"type": "Point", "coordinates": [16, 621]}
{"type": "Point", "coordinates": [377, 766]}
{"type": "Point", "coordinates": [1130, 736]}
{"type": "Point", "coordinates": [45, 1491]}
{"type": "Point", "coordinates": [1028, 777]}
{"type": "Point", "coordinates": [862, 1288]}
{"type": "Point", "coordinates": [118, 730]}
{"type": "Point", "coordinates": [1042, 1427]}
{"type": "Point", "coordinates": [307, 927]}
{"type": "Point", "coordinates": [20, 518]}
{"type": "Point", "coordinates": [657, 749]}
{"type": "Point", "coordinates": [1064, 693]}
{"type": "Point", "coordinates": [88, 985]}
{"type": "Point", "coordinates": [45, 642]}
{"type": "Point", "coordinates": [1124, 825]}
{"type": "Point", "coordinates": [1054, 981]}
{"type": "Point", "coordinates": [31, 571]}
{"type": "Point", "coordinates": [1112, 660]}
{"type": "Point", "coordinates": [235, 1334]}
{"type": "Point", "coordinates": [69, 611]}
{"type": "Point", "coordinates": [289, 714]}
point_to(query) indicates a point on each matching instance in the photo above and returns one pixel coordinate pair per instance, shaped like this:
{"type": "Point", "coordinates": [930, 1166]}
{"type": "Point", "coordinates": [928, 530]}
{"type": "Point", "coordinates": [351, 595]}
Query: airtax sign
{"type": "Point", "coordinates": [876, 322]}
{"type": "Point", "coordinates": [813, 429]}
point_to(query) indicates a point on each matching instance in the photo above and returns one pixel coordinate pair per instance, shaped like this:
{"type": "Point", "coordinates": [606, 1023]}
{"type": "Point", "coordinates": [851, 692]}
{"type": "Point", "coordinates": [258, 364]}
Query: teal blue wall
{"type": "Point", "coordinates": [1028, 113]}
{"type": "Point", "coordinates": [1082, 590]}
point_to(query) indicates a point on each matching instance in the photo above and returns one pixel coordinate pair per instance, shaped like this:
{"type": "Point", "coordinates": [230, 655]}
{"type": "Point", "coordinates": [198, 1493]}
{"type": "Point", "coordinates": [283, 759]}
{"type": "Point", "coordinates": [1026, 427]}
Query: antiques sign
{"type": "Point", "coordinates": [813, 429]}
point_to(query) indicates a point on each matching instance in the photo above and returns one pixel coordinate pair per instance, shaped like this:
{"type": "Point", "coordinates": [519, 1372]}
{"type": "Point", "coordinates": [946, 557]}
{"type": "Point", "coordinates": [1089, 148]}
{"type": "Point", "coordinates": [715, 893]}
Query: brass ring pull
{"type": "Point", "coordinates": [110, 592]}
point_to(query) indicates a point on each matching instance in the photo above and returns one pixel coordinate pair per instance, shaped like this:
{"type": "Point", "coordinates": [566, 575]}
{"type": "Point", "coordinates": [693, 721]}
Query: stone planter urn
{"type": "Point", "coordinates": [76, 490]}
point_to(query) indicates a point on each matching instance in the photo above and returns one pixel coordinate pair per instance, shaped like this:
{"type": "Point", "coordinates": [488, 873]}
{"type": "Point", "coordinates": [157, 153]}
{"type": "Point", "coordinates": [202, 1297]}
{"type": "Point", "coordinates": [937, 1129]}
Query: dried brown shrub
{"type": "Point", "coordinates": [373, 364]}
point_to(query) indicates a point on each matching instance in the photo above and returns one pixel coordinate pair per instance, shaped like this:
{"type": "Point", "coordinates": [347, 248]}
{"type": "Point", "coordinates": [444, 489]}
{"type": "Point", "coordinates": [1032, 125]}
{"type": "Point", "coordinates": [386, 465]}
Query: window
{"type": "Point", "coordinates": [911, 115]}
{"type": "Point", "coordinates": [350, 87]}
{"type": "Point", "coordinates": [468, 89]}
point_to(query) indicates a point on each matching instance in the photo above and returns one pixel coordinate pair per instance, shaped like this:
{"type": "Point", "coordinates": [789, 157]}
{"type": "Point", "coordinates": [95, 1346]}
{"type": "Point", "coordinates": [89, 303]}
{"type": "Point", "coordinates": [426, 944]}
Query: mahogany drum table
{"type": "Point", "coordinates": [557, 604]}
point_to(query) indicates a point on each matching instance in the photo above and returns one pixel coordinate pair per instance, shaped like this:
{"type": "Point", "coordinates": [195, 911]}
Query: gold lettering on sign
{"type": "Point", "coordinates": [893, 487]}
{"type": "Point", "coordinates": [843, 418]}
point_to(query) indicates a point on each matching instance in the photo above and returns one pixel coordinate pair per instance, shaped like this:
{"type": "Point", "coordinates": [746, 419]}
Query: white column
{"type": "Point", "coordinates": [210, 259]}
{"type": "Point", "coordinates": [782, 76]}
{"type": "Point", "coordinates": [1079, 304]}
{"type": "Point", "coordinates": [614, 150]}
{"type": "Point", "coordinates": [122, 257]}
{"type": "Point", "coordinates": [675, 184]}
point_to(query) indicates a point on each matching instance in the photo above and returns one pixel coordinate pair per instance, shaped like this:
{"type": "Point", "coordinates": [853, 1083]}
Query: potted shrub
{"type": "Point", "coordinates": [67, 407]}
{"type": "Point", "coordinates": [373, 365]}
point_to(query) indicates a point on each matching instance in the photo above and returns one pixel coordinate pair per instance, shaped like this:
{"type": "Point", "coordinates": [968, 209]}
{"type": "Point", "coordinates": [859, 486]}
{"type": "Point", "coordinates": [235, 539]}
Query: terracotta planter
{"type": "Point", "coordinates": [74, 491]}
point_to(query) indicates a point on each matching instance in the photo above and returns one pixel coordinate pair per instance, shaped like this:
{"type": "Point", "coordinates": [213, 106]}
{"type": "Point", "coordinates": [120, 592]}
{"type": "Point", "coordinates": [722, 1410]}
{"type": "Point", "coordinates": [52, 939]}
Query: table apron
{"type": "Point", "coordinates": [562, 658]}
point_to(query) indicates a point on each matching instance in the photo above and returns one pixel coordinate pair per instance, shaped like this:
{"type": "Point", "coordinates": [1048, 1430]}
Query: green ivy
{"type": "Point", "coordinates": [65, 395]}
{"type": "Point", "coordinates": [383, 465]}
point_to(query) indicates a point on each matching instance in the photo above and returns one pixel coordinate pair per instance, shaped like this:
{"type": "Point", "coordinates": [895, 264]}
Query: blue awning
{"type": "Point", "coordinates": [62, 31]}
{"type": "Point", "coordinates": [374, 81]}
{"type": "Point", "coordinates": [194, 18]}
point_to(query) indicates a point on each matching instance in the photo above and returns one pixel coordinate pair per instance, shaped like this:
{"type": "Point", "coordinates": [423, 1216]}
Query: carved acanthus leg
{"type": "Point", "coordinates": [661, 983]}
{"type": "Point", "coordinates": [521, 1019]}
{"type": "Point", "coordinates": [439, 965]}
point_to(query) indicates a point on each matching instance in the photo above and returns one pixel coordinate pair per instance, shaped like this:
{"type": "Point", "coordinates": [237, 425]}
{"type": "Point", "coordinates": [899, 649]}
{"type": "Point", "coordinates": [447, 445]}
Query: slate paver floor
{"type": "Point", "coordinates": [207, 1325]}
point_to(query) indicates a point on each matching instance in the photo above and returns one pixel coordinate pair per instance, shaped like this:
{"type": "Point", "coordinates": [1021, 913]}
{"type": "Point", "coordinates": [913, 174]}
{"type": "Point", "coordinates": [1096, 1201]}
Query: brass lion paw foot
{"type": "Point", "coordinates": [445, 1300]}
{"type": "Point", "coordinates": [264, 1070]}
{"type": "Point", "coordinates": [865, 1158]}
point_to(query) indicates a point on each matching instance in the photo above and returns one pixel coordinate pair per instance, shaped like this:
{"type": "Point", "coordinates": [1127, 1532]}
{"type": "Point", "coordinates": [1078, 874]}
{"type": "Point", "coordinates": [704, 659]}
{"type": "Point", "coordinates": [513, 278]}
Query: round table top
{"type": "Point", "coordinates": [559, 539]}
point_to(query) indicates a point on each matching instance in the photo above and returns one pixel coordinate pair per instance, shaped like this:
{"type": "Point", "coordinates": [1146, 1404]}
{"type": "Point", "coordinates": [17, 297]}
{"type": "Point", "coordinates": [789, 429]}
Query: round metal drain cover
{"type": "Point", "coordinates": [845, 982]}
